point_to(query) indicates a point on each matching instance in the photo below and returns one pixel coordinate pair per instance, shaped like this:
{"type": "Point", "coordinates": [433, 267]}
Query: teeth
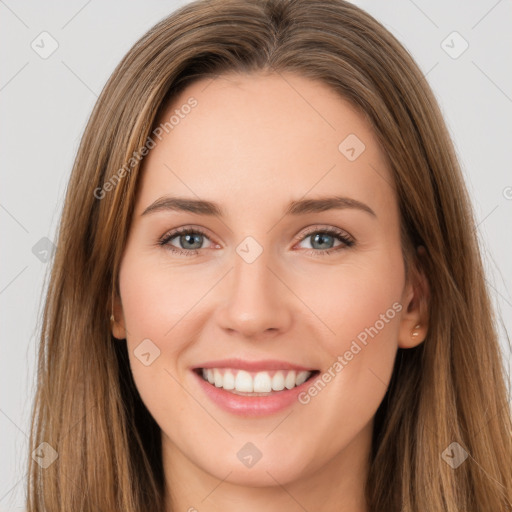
{"type": "Point", "coordinates": [262, 383]}
{"type": "Point", "coordinates": [301, 378]}
{"type": "Point", "coordinates": [229, 380]}
{"type": "Point", "coordinates": [217, 378]}
{"type": "Point", "coordinates": [243, 382]}
{"type": "Point", "coordinates": [278, 381]}
{"type": "Point", "coordinates": [259, 382]}
{"type": "Point", "coordinates": [289, 381]}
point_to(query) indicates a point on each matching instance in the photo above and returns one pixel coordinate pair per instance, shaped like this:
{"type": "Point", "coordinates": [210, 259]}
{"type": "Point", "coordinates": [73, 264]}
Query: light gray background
{"type": "Point", "coordinates": [45, 103]}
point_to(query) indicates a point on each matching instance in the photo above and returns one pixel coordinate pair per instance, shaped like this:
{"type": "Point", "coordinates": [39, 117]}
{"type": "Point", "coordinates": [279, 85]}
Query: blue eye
{"type": "Point", "coordinates": [191, 240]}
{"type": "Point", "coordinates": [186, 237]}
{"type": "Point", "coordinates": [326, 236]}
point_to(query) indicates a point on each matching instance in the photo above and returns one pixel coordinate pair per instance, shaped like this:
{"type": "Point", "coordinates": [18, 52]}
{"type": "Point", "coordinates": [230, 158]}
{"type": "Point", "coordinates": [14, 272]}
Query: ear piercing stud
{"type": "Point", "coordinates": [415, 332]}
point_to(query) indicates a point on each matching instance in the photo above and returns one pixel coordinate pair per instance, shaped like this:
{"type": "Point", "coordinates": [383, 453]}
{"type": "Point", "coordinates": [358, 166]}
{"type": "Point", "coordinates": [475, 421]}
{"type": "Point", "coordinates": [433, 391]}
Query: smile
{"type": "Point", "coordinates": [252, 388]}
{"type": "Point", "coordinates": [248, 383]}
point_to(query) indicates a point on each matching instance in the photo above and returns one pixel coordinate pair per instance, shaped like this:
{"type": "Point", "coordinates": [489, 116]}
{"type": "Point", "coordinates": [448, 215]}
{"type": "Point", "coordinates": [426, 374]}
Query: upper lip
{"type": "Point", "coordinates": [241, 364]}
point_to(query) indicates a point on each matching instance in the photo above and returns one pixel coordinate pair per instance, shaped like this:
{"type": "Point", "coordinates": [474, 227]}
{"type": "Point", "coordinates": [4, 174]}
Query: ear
{"type": "Point", "coordinates": [117, 324]}
{"type": "Point", "coordinates": [415, 299]}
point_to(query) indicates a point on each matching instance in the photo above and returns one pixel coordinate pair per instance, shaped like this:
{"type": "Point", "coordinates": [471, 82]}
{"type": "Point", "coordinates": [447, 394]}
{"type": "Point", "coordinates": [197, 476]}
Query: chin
{"type": "Point", "coordinates": [271, 469]}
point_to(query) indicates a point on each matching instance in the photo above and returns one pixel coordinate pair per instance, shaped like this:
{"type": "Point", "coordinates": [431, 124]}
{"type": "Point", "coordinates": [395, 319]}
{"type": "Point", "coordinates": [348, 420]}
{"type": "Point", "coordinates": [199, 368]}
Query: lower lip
{"type": "Point", "coordinates": [252, 405]}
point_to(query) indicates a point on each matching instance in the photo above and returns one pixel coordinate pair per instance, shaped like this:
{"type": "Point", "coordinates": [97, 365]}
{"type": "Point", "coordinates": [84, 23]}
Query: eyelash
{"type": "Point", "coordinates": [347, 241]}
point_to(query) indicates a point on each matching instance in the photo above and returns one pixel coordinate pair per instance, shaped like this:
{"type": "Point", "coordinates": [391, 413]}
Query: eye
{"type": "Point", "coordinates": [190, 240]}
{"type": "Point", "coordinates": [324, 238]}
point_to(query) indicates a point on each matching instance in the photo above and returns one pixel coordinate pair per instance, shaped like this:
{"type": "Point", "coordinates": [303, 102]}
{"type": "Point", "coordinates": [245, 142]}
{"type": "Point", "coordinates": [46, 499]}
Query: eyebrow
{"type": "Point", "coordinates": [298, 207]}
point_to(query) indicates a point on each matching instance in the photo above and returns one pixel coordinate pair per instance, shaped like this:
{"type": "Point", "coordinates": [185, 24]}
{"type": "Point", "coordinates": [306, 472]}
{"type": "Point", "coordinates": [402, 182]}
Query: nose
{"type": "Point", "coordinates": [257, 301]}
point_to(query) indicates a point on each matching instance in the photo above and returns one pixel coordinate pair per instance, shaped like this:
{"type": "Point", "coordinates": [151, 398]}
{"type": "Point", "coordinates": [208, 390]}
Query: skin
{"type": "Point", "coordinates": [252, 144]}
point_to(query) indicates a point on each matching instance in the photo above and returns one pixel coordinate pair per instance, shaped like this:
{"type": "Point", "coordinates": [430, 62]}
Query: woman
{"type": "Point", "coordinates": [250, 371]}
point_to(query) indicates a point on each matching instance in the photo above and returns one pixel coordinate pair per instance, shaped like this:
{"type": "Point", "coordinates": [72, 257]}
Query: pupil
{"type": "Point", "coordinates": [188, 237]}
{"type": "Point", "coordinates": [322, 238]}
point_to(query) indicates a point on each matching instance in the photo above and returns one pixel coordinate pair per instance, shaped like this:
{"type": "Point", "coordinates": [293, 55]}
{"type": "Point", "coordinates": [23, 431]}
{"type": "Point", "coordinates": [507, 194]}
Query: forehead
{"type": "Point", "coordinates": [254, 137]}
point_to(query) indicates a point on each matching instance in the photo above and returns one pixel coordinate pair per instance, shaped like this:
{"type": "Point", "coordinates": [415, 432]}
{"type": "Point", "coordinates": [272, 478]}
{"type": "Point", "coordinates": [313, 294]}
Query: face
{"type": "Point", "coordinates": [292, 270]}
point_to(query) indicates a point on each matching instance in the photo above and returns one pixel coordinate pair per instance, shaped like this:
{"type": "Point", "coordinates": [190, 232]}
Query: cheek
{"type": "Point", "coordinates": [362, 307]}
{"type": "Point", "coordinates": [156, 298]}
{"type": "Point", "coordinates": [154, 302]}
{"type": "Point", "coordinates": [358, 302]}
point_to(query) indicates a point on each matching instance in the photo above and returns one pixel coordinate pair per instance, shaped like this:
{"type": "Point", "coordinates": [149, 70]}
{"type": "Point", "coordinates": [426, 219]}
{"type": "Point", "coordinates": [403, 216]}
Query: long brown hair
{"type": "Point", "coordinates": [451, 388]}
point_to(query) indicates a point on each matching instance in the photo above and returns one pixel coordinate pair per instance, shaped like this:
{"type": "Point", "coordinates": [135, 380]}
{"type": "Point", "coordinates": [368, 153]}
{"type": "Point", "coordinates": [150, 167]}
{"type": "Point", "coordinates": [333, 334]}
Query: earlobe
{"type": "Point", "coordinates": [411, 337]}
{"type": "Point", "coordinates": [117, 320]}
{"type": "Point", "coordinates": [118, 330]}
{"type": "Point", "coordinates": [414, 320]}
{"type": "Point", "coordinates": [416, 337]}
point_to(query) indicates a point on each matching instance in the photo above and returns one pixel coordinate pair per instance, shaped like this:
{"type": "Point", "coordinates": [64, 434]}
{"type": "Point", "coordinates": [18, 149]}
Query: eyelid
{"type": "Point", "coordinates": [171, 233]}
